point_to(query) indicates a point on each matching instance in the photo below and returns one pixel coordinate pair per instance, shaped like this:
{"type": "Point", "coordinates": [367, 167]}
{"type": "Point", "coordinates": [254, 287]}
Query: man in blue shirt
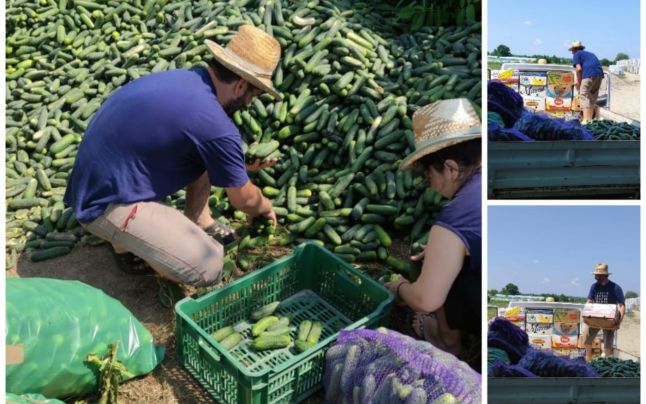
{"type": "Point", "coordinates": [168, 131]}
{"type": "Point", "coordinates": [588, 78]}
{"type": "Point", "coordinates": [604, 291]}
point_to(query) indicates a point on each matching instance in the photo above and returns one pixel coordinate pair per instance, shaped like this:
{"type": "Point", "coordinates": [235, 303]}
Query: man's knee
{"type": "Point", "coordinates": [211, 266]}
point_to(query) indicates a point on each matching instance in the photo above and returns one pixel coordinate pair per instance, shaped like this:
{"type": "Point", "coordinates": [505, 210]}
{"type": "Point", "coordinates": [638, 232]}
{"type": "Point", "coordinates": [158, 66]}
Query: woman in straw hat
{"type": "Point", "coordinates": [604, 291]}
{"type": "Point", "coordinates": [161, 133]}
{"type": "Point", "coordinates": [448, 152]}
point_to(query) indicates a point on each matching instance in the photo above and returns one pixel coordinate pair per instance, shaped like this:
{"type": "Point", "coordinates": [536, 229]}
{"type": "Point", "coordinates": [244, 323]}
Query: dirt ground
{"type": "Point", "coordinates": [628, 336]}
{"type": "Point", "coordinates": [624, 94]}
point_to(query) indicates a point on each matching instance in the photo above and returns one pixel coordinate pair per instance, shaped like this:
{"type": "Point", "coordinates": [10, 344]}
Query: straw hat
{"type": "Point", "coordinates": [252, 54]}
{"type": "Point", "coordinates": [576, 44]}
{"type": "Point", "coordinates": [442, 124]}
{"type": "Point", "coordinates": [602, 269]}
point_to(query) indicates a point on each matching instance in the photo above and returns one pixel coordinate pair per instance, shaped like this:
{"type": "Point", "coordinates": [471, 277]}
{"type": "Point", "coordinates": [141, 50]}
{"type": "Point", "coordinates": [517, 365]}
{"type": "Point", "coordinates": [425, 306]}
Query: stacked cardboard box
{"type": "Point", "coordinates": [565, 329]}
{"type": "Point", "coordinates": [559, 91]}
{"type": "Point", "coordinates": [514, 314]}
{"type": "Point", "coordinates": [510, 77]}
{"type": "Point", "coordinates": [532, 86]}
{"type": "Point", "coordinates": [539, 328]}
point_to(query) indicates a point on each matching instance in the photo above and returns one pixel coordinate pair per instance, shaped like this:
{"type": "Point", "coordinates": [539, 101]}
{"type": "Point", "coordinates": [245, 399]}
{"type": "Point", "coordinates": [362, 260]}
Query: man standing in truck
{"type": "Point", "coordinates": [588, 78]}
{"type": "Point", "coordinates": [604, 291]}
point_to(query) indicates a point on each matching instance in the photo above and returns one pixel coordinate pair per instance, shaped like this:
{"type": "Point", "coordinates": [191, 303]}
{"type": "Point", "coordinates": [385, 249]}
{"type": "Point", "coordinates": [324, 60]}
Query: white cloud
{"type": "Point", "coordinates": [567, 43]}
{"type": "Point", "coordinates": [546, 280]}
{"type": "Point", "coordinates": [527, 22]}
{"type": "Point", "coordinates": [538, 41]}
{"type": "Point", "coordinates": [535, 261]}
{"type": "Point", "coordinates": [575, 281]}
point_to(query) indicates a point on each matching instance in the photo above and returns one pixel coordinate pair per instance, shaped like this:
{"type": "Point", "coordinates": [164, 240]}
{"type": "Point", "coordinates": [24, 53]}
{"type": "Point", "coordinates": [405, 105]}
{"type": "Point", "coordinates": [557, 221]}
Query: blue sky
{"type": "Point", "coordinates": [545, 27]}
{"type": "Point", "coordinates": [554, 249]}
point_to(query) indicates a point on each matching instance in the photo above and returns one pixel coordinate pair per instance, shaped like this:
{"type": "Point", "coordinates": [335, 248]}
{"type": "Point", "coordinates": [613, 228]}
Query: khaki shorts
{"type": "Point", "coordinates": [589, 91]}
{"type": "Point", "coordinates": [162, 236]}
{"type": "Point", "coordinates": [608, 337]}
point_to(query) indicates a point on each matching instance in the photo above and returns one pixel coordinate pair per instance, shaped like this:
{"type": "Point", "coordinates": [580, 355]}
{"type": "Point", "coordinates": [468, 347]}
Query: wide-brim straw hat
{"type": "Point", "coordinates": [601, 269]}
{"type": "Point", "coordinates": [575, 45]}
{"type": "Point", "coordinates": [442, 124]}
{"type": "Point", "coordinates": [252, 54]}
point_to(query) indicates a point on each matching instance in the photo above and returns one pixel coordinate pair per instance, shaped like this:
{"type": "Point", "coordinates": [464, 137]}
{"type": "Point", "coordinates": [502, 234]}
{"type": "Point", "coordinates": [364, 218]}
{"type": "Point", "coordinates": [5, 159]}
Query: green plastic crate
{"type": "Point", "coordinates": [312, 283]}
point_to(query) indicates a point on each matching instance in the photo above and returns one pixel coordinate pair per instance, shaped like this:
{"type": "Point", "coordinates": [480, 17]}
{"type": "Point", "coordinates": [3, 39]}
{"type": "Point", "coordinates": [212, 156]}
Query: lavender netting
{"type": "Point", "coordinates": [546, 364]}
{"type": "Point", "coordinates": [384, 366]}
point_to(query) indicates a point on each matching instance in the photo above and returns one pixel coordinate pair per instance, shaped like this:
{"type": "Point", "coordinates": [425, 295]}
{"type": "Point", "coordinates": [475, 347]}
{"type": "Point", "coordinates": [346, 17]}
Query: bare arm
{"type": "Point", "coordinates": [622, 311]}
{"type": "Point", "coordinates": [443, 258]}
{"type": "Point", "coordinates": [579, 75]}
{"type": "Point", "coordinates": [250, 200]}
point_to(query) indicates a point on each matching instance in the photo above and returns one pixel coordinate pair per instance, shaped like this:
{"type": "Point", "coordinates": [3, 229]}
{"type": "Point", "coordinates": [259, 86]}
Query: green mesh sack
{"type": "Point", "coordinates": [60, 322]}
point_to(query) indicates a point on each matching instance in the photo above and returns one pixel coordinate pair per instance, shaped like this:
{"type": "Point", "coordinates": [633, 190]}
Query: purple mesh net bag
{"type": "Point", "coordinates": [384, 366]}
{"type": "Point", "coordinates": [543, 127]}
{"type": "Point", "coordinates": [546, 364]}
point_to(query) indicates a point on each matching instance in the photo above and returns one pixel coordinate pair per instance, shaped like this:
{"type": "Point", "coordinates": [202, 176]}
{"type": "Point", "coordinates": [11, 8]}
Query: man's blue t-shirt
{"type": "Point", "coordinates": [150, 139]}
{"type": "Point", "coordinates": [610, 293]}
{"type": "Point", "coordinates": [589, 64]}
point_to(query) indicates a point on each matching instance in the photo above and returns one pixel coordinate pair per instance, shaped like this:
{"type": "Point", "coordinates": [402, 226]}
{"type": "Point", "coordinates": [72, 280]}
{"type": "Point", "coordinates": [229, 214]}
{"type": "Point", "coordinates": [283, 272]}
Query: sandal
{"type": "Point", "coordinates": [169, 293]}
{"type": "Point", "coordinates": [133, 265]}
{"type": "Point", "coordinates": [419, 323]}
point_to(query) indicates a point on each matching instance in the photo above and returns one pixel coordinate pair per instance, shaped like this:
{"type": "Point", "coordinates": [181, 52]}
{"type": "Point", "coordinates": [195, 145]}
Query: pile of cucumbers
{"type": "Point", "coordinates": [351, 77]}
{"type": "Point", "coordinates": [610, 130]}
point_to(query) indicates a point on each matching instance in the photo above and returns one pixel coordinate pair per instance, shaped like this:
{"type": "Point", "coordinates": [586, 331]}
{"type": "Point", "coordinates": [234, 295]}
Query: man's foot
{"type": "Point", "coordinates": [222, 231]}
{"type": "Point", "coordinates": [133, 265]}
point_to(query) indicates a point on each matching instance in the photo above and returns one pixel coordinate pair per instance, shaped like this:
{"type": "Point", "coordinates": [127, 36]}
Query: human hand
{"type": "Point", "coordinates": [257, 165]}
{"type": "Point", "coordinates": [394, 286]}
{"type": "Point", "coordinates": [419, 256]}
{"type": "Point", "coordinates": [269, 214]}
{"type": "Point", "coordinates": [577, 85]}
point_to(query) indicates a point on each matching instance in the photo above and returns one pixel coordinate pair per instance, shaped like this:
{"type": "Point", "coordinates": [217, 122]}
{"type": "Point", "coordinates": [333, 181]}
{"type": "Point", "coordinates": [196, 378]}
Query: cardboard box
{"type": "Point", "coordinates": [513, 314]}
{"type": "Point", "coordinates": [559, 91]}
{"type": "Point", "coordinates": [560, 78]}
{"type": "Point", "coordinates": [568, 316]}
{"type": "Point", "coordinates": [535, 104]}
{"type": "Point", "coordinates": [566, 329]}
{"type": "Point", "coordinates": [510, 77]}
{"type": "Point", "coordinates": [558, 103]}
{"type": "Point", "coordinates": [520, 324]}
{"type": "Point", "coordinates": [604, 316]}
{"type": "Point", "coordinates": [539, 316]}
{"type": "Point", "coordinates": [532, 84]}
{"type": "Point", "coordinates": [539, 328]}
{"type": "Point", "coordinates": [576, 101]}
{"type": "Point", "coordinates": [596, 343]}
{"type": "Point", "coordinates": [532, 78]}
{"type": "Point", "coordinates": [562, 351]}
{"type": "Point", "coordinates": [563, 341]}
{"type": "Point", "coordinates": [543, 342]}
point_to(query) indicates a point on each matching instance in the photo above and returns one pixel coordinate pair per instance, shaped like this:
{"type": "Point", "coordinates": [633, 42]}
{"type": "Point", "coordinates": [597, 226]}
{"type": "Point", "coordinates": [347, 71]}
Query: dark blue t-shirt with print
{"type": "Point", "coordinates": [609, 293]}
{"type": "Point", "coordinates": [589, 64]}
{"type": "Point", "coordinates": [151, 138]}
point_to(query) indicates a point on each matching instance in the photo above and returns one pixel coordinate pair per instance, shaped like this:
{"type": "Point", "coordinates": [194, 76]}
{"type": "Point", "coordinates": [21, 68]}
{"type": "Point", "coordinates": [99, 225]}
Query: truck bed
{"type": "Point", "coordinates": [562, 390]}
{"type": "Point", "coordinates": [556, 169]}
